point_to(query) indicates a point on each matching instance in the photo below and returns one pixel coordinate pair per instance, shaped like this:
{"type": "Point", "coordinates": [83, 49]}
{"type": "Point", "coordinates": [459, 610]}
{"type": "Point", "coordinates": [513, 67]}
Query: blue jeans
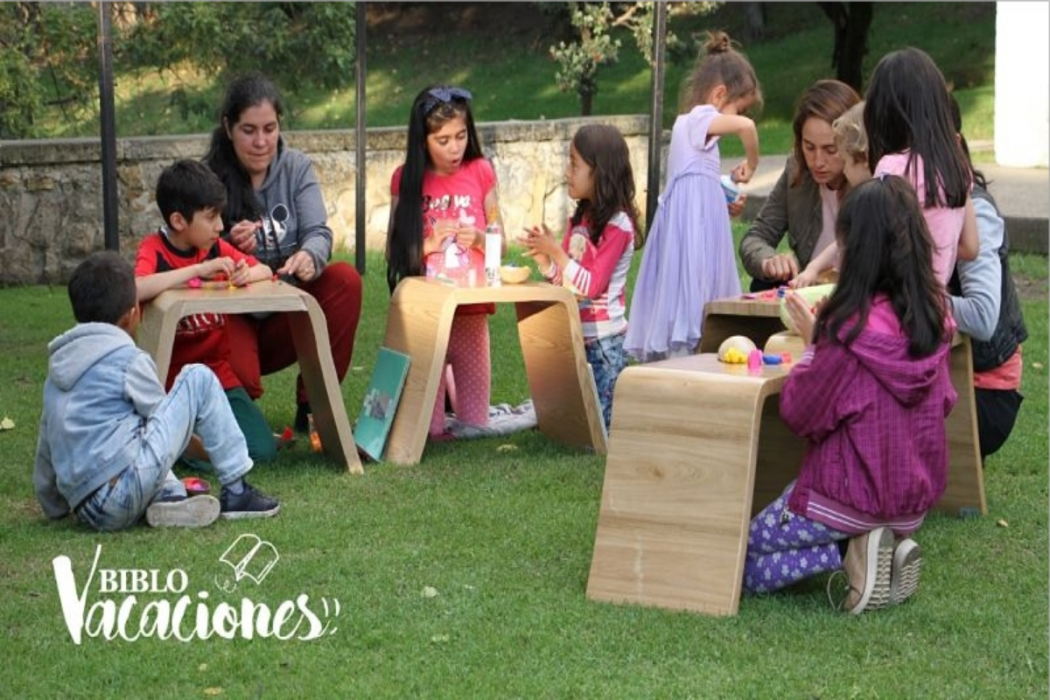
{"type": "Point", "coordinates": [195, 404]}
{"type": "Point", "coordinates": [607, 360]}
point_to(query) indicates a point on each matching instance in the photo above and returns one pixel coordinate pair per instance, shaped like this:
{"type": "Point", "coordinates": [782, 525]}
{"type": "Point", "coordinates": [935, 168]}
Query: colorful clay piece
{"type": "Point", "coordinates": [771, 359]}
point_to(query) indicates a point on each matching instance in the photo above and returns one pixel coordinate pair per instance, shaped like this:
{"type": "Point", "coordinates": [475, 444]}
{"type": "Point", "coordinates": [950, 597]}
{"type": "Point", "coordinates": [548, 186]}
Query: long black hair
{"type": "Point", "coordinates": [247, 91]}
{"type": "Point", "coordinates": [886, 248]}
{"type": "Point", "coordinates": [433, 107]}
{"type": "Point", "coordinates": [906, 108]}
{"type": "Point", "coordinates": [604, 149]}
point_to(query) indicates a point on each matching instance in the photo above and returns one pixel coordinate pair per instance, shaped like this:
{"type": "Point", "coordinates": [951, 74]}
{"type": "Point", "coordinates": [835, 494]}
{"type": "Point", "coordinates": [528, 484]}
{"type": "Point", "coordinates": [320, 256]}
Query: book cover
{"type": "Point", "coordinates": [380, 404]}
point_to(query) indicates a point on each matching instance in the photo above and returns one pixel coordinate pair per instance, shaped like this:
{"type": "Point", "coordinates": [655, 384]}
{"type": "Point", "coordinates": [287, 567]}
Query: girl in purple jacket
{"type": "Point", "coordinates": [869, 395]}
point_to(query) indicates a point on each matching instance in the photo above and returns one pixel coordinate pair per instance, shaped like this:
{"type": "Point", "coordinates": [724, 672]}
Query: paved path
{"type": "Point", "coordinates": [1023, 196]}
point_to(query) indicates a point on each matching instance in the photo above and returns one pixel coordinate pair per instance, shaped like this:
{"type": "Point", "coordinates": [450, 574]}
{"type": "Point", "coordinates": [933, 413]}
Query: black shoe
{"type": "Point", "coordinates": [302, 418]}
{"type": "Point", "coordinates": [247, 504]}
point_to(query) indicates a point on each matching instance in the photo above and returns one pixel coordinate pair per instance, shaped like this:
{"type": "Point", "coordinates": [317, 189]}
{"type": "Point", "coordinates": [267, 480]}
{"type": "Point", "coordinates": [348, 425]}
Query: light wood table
{"type": "Point", "coordinates": [560, 380]}
{"type": "Point", "coordinates": [696, 448]}
{"type": "Point", "coordinates": [964, 494]}
{"type": "Point", "coordinates": [160, 318]}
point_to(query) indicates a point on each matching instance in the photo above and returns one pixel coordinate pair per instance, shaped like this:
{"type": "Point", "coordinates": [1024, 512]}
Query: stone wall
{"type": "Point", "coordinates": [51, 212]}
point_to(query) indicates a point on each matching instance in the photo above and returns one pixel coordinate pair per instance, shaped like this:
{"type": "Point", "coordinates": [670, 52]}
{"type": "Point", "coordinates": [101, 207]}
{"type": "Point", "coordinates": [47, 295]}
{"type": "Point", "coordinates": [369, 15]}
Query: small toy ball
{"type": "Point", "coordinates": [741, 344]}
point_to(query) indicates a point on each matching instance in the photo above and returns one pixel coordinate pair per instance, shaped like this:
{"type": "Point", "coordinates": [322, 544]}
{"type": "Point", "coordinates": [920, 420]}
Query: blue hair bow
{"type": "Point", "coordinates": [444, 95]}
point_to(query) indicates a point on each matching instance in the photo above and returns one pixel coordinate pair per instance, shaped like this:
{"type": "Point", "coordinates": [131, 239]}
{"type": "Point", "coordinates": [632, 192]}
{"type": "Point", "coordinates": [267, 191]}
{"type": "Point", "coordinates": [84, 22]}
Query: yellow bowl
{"type": "Point", "coordinates": [512, 274]}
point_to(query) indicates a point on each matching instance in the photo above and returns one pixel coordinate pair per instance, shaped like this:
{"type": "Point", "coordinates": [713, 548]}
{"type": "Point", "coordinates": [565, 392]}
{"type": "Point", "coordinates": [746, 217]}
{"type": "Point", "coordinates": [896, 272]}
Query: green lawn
{"type": "Point", "coordinates": [504, 539]}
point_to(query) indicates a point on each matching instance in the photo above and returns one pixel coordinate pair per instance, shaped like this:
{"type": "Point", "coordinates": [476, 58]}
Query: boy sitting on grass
{"type": "Point", "coordinates": [109, 434]}
{"type": "Point", "coordinates": [185, 251]}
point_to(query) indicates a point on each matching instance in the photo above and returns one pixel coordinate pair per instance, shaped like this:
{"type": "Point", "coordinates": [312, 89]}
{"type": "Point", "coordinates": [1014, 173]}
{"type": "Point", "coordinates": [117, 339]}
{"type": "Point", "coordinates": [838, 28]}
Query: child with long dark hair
{"type": "Point", "coordinates": [595, 253]}
{"type": "Point", "coordinates": [869, 395]}
{"type": "Point", "coordinates": [907, 116]}
{"type": "Point", "coordinates": [443, 196]}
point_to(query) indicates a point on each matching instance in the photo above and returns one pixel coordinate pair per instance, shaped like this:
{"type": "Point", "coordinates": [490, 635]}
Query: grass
{"type": "Point", "coordinates": [512, 76]}
{"type": "Point", "coordinates": [505, 539]}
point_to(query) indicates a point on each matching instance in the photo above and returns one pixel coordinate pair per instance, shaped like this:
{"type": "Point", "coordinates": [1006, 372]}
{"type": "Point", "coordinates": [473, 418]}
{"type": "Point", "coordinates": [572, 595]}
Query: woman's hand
{"type": "Point", "coordinates": [782, 266]}
{"type": "Point", "coordinates": [301, 265]}
{"type": "Point", "coordinates": [242, 235]}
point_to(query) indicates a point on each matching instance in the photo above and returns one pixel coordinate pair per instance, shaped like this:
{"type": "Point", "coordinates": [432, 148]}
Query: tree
{"type": "Point", "coordinates": [47, 61]}
{"type": "Point", "coordinates": [49, 55]}
{"type": "Point", "coordinates": [851, 20]}
{"type": "Point", "coordinates": [579, 61]}
{"type": "Point", "coordinates": [298, 43]}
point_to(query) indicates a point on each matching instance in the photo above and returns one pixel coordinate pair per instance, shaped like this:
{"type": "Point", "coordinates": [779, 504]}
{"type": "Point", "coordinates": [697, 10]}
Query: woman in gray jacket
{"type": "Point", "coordinates": [805, 200]}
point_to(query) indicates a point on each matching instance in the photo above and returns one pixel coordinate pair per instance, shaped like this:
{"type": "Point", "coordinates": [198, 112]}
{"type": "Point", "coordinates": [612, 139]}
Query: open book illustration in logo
{"type": "Point", "coordinates": [249, 557]}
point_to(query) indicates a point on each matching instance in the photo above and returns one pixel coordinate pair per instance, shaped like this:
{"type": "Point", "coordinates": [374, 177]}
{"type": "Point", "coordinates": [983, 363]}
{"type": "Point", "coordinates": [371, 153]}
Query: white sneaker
{"type": "Point", "coordinates": [868, 564]}
{"type": "Point", "coordinates": [197, 511]}
{"type": "Point", "coordinates": [907, 565]}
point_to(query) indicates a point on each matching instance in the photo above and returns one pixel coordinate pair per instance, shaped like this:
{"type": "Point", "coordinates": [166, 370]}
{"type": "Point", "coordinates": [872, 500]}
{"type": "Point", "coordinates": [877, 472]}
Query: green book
{"type": "Point", "coordinates": [380, 404]}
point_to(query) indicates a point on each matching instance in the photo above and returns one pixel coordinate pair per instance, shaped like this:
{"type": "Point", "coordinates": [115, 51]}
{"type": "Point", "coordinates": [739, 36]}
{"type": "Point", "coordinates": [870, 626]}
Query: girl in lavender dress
{"type": "Point", "coordinates": [689, 256]}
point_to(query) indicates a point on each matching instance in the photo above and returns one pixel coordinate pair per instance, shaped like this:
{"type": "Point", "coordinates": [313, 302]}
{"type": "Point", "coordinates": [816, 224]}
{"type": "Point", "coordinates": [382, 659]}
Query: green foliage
{"type": "Point", "coordinates": [47, 58]}
{"type": "Point", "coordinates": [579, 61]}
{"type": "Point", "coordinates": [299, 43]}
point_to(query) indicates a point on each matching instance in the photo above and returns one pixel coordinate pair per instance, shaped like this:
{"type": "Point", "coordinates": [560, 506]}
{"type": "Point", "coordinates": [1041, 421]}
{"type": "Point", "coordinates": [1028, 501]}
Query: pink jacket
{"type": "Point", "coordinates": [874, 419]}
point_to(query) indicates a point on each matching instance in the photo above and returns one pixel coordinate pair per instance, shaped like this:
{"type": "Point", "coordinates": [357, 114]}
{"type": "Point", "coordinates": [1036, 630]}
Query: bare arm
{"type": "Point", "coordinates": [149, 286]}
{"type": "Point", "coordinates": [744, 128]}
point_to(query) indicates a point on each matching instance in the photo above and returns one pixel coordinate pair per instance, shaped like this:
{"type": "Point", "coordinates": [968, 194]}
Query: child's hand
{"type": "Point", "coordinates": [736, 208]}
{"type": "Point", "coordinates": [541, 241]}
{"type": "Point", "coordinates": [217, 266]}
{"type": "Point", "coordinates": [443, 230]}
{"type": "Point", "coordinates": [241, 273]}
{"type": "Point", "coordinates": [242, 235]}
{"type": "Point", "coordinates": [468, 236]}
{"type": "Point", "coordinates": [801, 315]}
{"type": "Point", "coordinates": [806, 278]}
{"type": "Point", "coordinates": [742, 173]}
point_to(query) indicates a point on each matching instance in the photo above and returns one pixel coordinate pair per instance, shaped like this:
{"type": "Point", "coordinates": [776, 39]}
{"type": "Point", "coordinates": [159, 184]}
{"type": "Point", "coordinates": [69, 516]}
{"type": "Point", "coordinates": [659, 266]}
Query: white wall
{"type": "Point", "coordinates": [1022, 83]}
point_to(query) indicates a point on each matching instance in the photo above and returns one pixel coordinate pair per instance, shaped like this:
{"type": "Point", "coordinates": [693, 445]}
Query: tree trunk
{"type": "Point", "coordinates": [586, 103]}
{"type": "Point", "coordinates": [855, 44]}
{"type": "Point", "coordinates": [756, 22]}
{"type": "Point", "coordinates": [851, 22]}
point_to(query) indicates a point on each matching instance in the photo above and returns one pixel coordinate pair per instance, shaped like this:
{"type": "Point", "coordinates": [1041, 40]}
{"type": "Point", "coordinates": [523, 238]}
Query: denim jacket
{"type": "Point", "coordinates": [99, 391]}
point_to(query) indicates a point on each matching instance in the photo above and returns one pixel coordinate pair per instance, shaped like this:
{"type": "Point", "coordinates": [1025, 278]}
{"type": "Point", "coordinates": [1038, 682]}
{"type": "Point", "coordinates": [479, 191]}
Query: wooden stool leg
{"type": "Point", "coordinates": [964, 492]}
{"type": "Point", "coordinates": [560, 380]}
{"type": "Point", "coordinates": [310, 334]}
{"type": "Point", "coordinates": [418, 324]}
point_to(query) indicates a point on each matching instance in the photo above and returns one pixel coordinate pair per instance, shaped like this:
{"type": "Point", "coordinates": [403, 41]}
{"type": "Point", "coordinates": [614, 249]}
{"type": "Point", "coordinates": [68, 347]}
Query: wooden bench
{"type": "Point", "coordinates": [161, 316]}
{"type": "Point", "coordinates": [560, 381]}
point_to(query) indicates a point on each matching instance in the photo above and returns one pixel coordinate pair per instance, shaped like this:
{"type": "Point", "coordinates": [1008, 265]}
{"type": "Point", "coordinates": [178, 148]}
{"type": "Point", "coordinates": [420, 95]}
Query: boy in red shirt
{"type": "Point", "coordinates": [186, 251]}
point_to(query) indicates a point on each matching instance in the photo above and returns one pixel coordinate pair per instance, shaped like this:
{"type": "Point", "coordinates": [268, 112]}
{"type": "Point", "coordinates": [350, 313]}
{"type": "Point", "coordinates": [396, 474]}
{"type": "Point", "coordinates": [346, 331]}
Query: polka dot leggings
{"type": "Point", "coordinates": [468, 373]}
{"type": "Point", "coordinates": [783, 548]}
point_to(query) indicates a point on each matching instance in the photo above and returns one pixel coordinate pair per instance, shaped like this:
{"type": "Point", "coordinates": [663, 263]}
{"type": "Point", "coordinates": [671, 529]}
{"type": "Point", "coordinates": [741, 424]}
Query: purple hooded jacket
{"type": "Point", "coordinates": [874, 418]}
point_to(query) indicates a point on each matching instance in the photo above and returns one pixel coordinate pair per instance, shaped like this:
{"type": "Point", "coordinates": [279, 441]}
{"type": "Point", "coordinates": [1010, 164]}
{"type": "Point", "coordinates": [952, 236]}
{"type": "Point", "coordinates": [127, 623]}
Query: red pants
{"type": "Point", "coordinates": [264, 347]}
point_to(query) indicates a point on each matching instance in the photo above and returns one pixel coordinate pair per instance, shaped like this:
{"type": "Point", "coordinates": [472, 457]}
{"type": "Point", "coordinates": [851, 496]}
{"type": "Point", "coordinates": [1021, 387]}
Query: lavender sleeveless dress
{"type": "Point", "coordinates": [689, 256]}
